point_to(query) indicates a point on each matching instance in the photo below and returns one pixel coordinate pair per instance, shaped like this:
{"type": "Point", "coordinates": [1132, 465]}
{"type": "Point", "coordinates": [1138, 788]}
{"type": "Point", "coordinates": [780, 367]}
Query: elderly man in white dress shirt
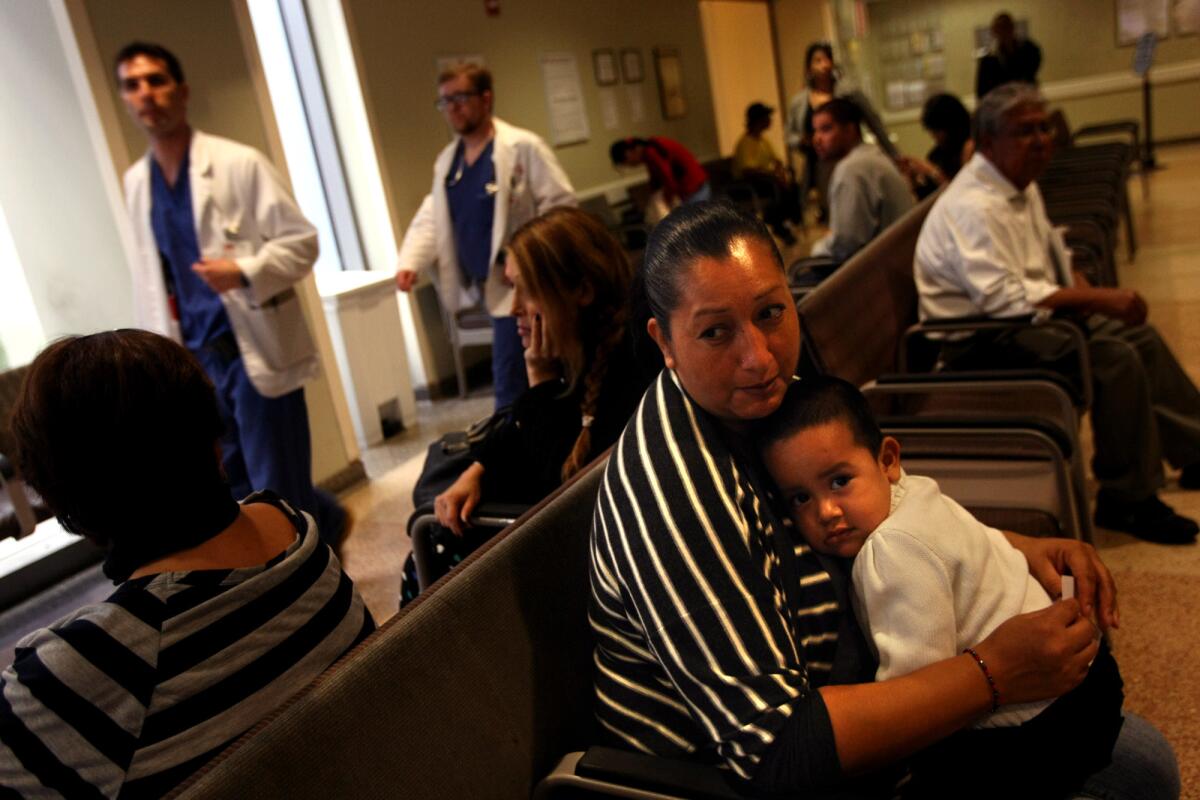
{"type": "Point", "coordinates": [988, 249]}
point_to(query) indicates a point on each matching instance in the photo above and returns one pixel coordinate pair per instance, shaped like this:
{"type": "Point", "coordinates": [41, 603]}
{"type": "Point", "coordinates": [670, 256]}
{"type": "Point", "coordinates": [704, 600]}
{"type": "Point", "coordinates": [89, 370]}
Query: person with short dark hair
{"type": "Point", "coordinates": [753, 152]}
{"type": "Point", "coordinates": [755, 161]}
{"type": "Point", "coordinates": [222, 610]}
{"type": "Point", "coordinates": [153, 51]}
{"type": "Point", "coordinates": [1009, 58]}
{"type": "Point", "coordinates": [929, 581]}
{"type": "Point", "coordinates": [947, 120]}
{"type": "Point", "coordinates": [221, 247]}
{"type": "Point", "coordinates": [989, 249]}
{"type": "Point", "coordinates": [487, 182]}
{"type": "Point", "coordinates": [867, 193]}
{"type": "Point", "coordinates": [673, 169]}
{"type": "Point", "coordinates": [949, 123]}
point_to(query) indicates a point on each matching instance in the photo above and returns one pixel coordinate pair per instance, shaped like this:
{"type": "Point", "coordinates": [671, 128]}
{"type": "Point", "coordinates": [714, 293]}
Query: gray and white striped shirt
{"type": "Point", "coordinates": [130, 696]}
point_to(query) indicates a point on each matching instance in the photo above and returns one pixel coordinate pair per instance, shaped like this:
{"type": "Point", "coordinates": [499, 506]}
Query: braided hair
{"type": "Point", "coordinates": [562, 256]}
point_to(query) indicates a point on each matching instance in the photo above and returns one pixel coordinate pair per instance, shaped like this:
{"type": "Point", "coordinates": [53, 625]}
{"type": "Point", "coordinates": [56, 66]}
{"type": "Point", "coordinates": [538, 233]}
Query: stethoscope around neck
{"type": "Point", "coordinates": [460, 158]}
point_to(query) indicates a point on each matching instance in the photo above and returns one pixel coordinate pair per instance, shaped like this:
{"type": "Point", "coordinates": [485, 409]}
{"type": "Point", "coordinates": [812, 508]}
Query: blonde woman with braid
{"type": "Point", "coordinates": [572, 304]}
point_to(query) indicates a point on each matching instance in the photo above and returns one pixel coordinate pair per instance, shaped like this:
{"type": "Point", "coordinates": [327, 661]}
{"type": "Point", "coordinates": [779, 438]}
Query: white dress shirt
{"type": "Point", "coordinates": [985, 248]}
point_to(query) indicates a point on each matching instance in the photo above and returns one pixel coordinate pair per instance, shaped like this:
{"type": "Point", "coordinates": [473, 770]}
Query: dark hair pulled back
{"type": "Point", "coordinates": [689, 233]}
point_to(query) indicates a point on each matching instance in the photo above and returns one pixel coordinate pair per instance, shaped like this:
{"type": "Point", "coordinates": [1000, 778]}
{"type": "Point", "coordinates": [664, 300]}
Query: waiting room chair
{"type": "Point", "coordinates": [631, 232]}
{"type": "Point", "coordinates": [467, 327]}
{"type": "Point", "coordinates": [1019, 465]}
{"type": "Point", "coordinates": [860, 324]}
{"type": "Point", "coordinates": [423, 523]}
{"type": "Point", "coordinates": [1036, 399]}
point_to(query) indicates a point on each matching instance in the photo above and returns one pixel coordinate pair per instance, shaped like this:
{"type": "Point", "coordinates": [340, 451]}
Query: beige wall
{"type": "Point", "coordinates": [208, 41]}
{"type": "Point", "coordinates": [799, 23]}
{"type": "Point", "coordinates": [58, 200]}
{"type": "Point", "coordinates": [741, 67]}
{"type": "Point", "coordinates": [204, 35]}
{"type": "Point", "coordinates": [1078, 41]}
{"type": "Point", "coordinates": [1077, 37]}
{"type": "Point", "coordinates": [398, 44]}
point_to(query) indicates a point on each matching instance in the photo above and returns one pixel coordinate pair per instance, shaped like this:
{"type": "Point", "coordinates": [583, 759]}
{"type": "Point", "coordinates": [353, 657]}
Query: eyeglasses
{"type": "Point", "coordinates": [1030, 129]}
{"type": "Point", "coordinates": [456, 99]}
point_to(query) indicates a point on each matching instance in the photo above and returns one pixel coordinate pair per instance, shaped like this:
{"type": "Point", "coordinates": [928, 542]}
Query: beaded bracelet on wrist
{"type": "Point", "coordinates": [987, 674]}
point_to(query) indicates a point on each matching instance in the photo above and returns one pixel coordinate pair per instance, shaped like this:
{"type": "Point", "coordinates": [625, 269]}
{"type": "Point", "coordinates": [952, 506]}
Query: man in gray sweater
{"type": "Point", "coordinates": [866, 192]}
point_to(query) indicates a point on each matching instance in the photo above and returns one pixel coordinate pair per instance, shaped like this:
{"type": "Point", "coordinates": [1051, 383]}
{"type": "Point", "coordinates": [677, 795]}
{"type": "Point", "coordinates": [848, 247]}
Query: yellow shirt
{"type": "Point", "coordinates": [753, 153]}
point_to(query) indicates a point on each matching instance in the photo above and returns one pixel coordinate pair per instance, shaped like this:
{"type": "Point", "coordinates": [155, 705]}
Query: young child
{"type": "Point", "coordinates": [929, 581]}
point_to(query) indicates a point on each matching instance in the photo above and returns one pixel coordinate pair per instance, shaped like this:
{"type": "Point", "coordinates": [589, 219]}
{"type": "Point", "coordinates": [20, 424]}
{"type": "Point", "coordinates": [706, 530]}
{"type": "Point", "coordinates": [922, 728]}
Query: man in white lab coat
{"type": "Point", "coordinates": [492, 179]}
{"type": "Point", "coordinates": [220, 247]}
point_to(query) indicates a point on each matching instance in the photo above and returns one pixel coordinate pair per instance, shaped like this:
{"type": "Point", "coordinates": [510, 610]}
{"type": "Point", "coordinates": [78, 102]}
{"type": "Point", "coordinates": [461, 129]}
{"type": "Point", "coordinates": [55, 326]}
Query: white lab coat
{"type": "Point", "coordinates": [243, 211]}
{"type": "Point", "coordinates": [529, 182]}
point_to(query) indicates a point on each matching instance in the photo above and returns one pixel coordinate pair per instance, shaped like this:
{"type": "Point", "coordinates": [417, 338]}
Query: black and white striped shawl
{"type": "Point", "coordinates": [710, 621]}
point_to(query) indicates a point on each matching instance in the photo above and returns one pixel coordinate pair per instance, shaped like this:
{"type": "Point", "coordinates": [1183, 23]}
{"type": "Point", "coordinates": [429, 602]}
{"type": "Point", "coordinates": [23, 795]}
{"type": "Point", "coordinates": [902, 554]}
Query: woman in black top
{"type": "Point", "coordinates": [572, 305]}
{"type": "Point", "coordinates": [947, 120]}
{"type": "Point", "coordinates": [949, 123]}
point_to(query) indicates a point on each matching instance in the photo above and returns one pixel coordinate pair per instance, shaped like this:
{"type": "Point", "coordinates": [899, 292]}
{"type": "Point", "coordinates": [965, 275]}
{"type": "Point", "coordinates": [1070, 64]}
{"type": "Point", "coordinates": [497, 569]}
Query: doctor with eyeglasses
{"type": "Point", "coordinates": [491, 179]}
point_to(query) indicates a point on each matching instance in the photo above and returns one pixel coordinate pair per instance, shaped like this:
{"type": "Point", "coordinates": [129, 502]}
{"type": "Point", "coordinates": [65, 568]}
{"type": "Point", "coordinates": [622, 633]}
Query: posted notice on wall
{"type": "Point", "coordinates": [609, 116]}
{"type": "Point", "coordinates": [637, 110]}
{"type": "Point", "coordinates": [564, 99]}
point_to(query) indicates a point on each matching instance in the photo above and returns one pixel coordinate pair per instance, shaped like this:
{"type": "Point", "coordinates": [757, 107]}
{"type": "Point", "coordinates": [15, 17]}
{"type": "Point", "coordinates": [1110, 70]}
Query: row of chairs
{"type": "Point", "coordinates": [1086, 189]}
{"type": "Point", "coordinates": [1001, 441]}
{"type": "Point", "coordinates": [482, 687]}
{"type": "Point", "coordinates": [883, 349]}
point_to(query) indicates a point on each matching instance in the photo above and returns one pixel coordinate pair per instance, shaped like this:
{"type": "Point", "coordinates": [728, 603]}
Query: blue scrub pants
{"type": "Point", "coordinates": [509, 379]}
{"type": "Point", "coordinates": [266, 444]}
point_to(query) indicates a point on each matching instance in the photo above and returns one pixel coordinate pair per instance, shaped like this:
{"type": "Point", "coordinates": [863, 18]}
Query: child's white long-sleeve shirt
{"type": "Point", "coordinates": [932, 580]}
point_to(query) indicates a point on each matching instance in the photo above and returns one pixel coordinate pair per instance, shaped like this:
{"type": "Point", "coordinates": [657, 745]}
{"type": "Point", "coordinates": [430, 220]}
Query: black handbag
{"type": "Point", "coordinates": [450, 455]}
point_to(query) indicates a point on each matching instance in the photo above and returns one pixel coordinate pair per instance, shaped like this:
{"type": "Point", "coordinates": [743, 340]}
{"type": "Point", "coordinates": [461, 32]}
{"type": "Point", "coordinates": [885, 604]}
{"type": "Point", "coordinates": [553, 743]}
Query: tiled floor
{"type": "Point", "coordinates": [375, 551]}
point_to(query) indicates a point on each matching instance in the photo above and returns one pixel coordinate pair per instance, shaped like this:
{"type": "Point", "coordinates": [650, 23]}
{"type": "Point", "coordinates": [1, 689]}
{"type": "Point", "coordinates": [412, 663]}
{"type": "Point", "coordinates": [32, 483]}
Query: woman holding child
{"type": "Point", "coordinates": [720, 635]}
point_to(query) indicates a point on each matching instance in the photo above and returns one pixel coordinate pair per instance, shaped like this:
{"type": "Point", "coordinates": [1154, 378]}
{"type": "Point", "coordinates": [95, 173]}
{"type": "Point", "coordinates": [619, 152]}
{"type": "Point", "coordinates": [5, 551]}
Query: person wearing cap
{"type": "Point", "coordinates": [755, 161]}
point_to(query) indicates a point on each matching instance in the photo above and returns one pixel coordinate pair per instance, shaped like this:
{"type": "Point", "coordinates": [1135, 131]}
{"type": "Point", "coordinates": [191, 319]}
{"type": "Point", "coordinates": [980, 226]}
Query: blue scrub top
{"type": "Point", "coordinates": [471, 192]}
{"type": "Point", "coordinates": [201, 313]}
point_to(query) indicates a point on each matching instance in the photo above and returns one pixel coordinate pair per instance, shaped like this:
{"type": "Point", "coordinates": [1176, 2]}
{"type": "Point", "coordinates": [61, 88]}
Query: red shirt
{"type": "Point", "coordinates": [673, 168]}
